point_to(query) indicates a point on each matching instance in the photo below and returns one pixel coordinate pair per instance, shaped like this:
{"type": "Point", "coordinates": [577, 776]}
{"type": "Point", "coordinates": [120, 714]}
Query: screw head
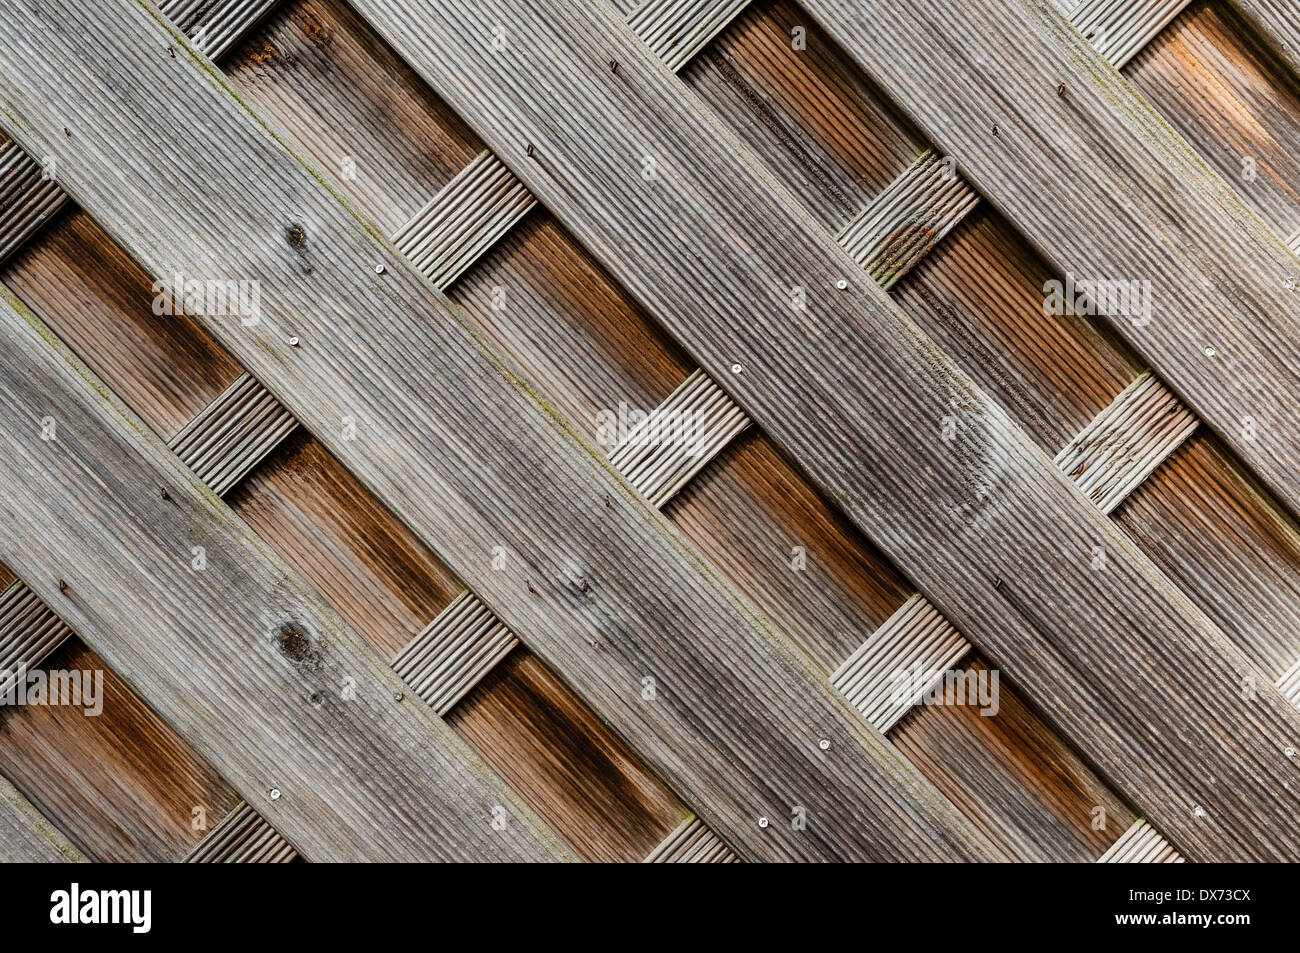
{"type": "Point", "coordinates": [398, 696]}
{"type": "Point", "coordinates": [762, 822]}
{"type": "Point", "coordinates": [293, 341]}
{"type": "Point", "coordinates": [1289, 752]}
{"type": "Point", "coordinates": [1199, 811]}
{"type": "Point", "coordinates": [841, 284]}
{"type": "Point", "coordinates": [736, 368]}
{"type": "Point", "coordinates": [379, 268]}
{"type": "Point", "coordinates": [824, 744]}
{"type": "Point", "coordinates": [1210, 352]}
{"type": "Point", "coordinates": [275, 794]}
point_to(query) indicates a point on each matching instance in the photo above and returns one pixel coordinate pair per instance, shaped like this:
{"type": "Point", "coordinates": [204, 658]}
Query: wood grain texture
{"type": "Point", "coordinates": [323, 523]}
{"type": "Point", "coordinates": [1203, 519]}
{"type": "Point", "coordinates": [579, 778]}
{"type": "Point", "coordinates": [979, 295]}
{"type": "Point", "coordinates": [1276, 22]}
{"type": "Point", "coordinates": [242, 659]}
{"type": "Point", "coordinates": [26, 836]}
{"type": "Point", "coordinates": [1013, 776]}
{"type": "Point", "coordinates": [122, 784]}
{"type": "Point", "coordinates": [596, 584]}
{"type": "Point", "coordinates": [1115, 171]}
{"type": "Point", "coordinates": [1227, 97]}
{"type": "Point", "coordinates": [354, 108]}
{"type": "Point", "coordinates": [825, 134]}
{"type": "Point", "coordinates": [854, 393]}
{"type": "Point", "coordinates": [99, 302]}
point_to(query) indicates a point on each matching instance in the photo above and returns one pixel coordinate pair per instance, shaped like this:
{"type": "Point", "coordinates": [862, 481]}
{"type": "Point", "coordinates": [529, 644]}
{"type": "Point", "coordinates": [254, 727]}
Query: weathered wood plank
{"type": "Point", "coordinates": [605, 592]}
{"type": "Point", "coordinates": [712, 246]}
{"type": "Point", "coordinates": [241, 658]}
{"type": "Point", "coordinates": [1141, 844]}
{"type": "Point", "coordinates": [28, 837]}
{"type": "Point", "coordinates": [1278, 23]}
{"type": "Point", "coordinates": [1054, 118]}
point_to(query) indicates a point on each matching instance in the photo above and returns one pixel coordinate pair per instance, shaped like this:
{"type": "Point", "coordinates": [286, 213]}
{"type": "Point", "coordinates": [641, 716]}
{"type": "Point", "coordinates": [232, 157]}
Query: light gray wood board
{"type": "Point", "coordinates": [242, 658]}
{"type": "Point", "coordinates": [26, 836]}
{"type": "Point", "coordinates": [1105, 189]}
{"type": "Point", "coordinates": [595, 582]}
{"type": "Point", "coordinates": [992, 532]}
{"type": "Point", "coordinates": [1278, 22]}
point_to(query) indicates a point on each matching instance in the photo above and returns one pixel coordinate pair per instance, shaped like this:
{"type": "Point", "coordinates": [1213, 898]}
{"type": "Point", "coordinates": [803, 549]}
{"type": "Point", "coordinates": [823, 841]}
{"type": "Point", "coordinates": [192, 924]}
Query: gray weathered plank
{"type": "Point", "coordinates": [26, 835]}
{"type": "Point", "coordinates": [1129, 201]}
{"type": "Point", "coordinates": [1278, 22]}
{"type": "Point", "coordinates": [600, 587]}
{"type": "Point", "coordinates": [995, 535]}
{"type": "Point", "coordinates": [240, 656]}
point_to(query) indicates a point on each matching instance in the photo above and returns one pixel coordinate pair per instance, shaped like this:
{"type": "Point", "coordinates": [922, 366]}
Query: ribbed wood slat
{"type": "Point", "coordinates": [242, 837]}
{"type": "Point", "coordinates": [1226, 343]}
{"type": "Point", "coordinates": [233, 434]}
{"type": "Point", "coordinates": [1293, 242]}
{"type": "Point", "coordinates": [215, 26]}
{"type": "Point", "coordinates": [678, 29]}
{"type": "Point", "coordinates": [1289, 684]}
{"type": "Point", "coordinates": [1141, 844]}
{"type": "Point", "coordinates": [241, 658]}
{"type": "Point", "coordinates": [29, 632]}
{"type": "Point", "coordinates": [1277, 22]}
{"type": "Point", "coordinates": [1119, 29]}
{"type": "Point", "coordinates": [464, 220]}
{"type": "Point", "coordinates": [908, 218]}
{"type": "Point", "coordinates": [26, 836]}
{"type": "Point", "coordinates": [678, 439]}
{"type": "Point", "coordinates": [27, 199]}
{"type": "Point", "coordinates": [454, 652]}
{"type": "Point", "coordinates": [470, 456]}
{"type": "Point", "coordinates": [691, 843]}
{"type": "Point", "coordinates": [711, 245]}
{"type": "Point", "coordinates": [1127, 441]}
{"type": "Point", "coordinates": [899, 662]}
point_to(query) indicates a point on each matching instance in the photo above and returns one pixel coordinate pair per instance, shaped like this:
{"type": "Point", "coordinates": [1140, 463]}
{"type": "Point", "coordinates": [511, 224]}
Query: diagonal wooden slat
{"type": "Point", "coordinates": [1119, 29]}
{"type": "Point", "coordinates": [29, 632]}
{"type": "Point", "coordinates": [691, 843]}
{"type": "Point", "coordinates": [1118, 449]}
{"type": "Point", "coordinates": [233, 434]}
{"type": "Point", "coordinates": [215, 26]}
{"type": "Point", "coordinates": [29, 197]}
{"type": "Point", "coordinates": [26, 836]}
{"type": "Point", "coordinates": [464, 220]}
{"type": "Point", "coordinates": [242, 837]}
{"type": "Point", "coordinates": [908, 218]}
{"type": "Point", "coordinates": [711, 246]}
{"type": "Point", "coordinates": [242, 658]}
{"type": "Point", "coordinates": [1129, 201]}
{"type": "Point", "coordinates": [1278, 23]}
{"type": "Point", "coordinates": [604, 591]}
{"type": "Point", "coordinates": [1141, 844]}
{"type": "Point", "coordinates": [678, 29]}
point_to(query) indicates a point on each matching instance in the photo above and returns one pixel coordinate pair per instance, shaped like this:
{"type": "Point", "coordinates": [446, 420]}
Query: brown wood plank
{"type": "Point", "coordinates": [1276, 22]}
{"type": "Point", "coordinates": [570, 330]}
{"type": "Point", "coordinates": [241, 659]}
{"type": "Point", "coordinates": [121, 783]}
{"type": "Point", "coordinates": [1009, 773]}
{"type": "Point", "coordinates": [1228, 98]}
{"type": "Point", "coordinates": [361, 115]}
{"type": "Point", "coordinates": [599, 586]}
{"type": "Point", "coordinates": [572, 770]}
{"type": "Point", "coordinates": [989, 529]}
{"type": "Point", "coordinates": [979, 295]}
{"type": "Point", "coordinates": [1233, 550]}
{"type": "Point", "coordinates": [826, 135]}
{"type": "Point", "coordinates": [100, 304]}
{"type": "Point", "coordinates": [323, 523]}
